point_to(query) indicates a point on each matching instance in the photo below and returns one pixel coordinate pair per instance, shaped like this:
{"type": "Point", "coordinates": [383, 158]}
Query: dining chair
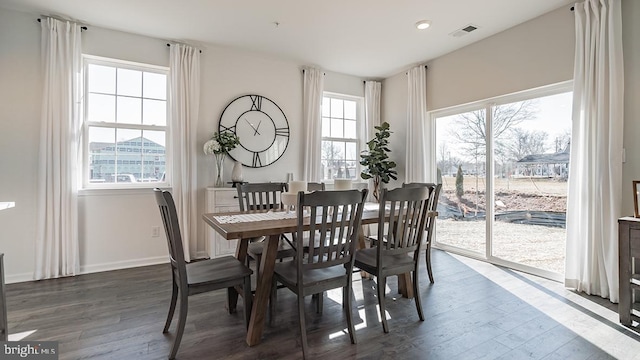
{"type": "Point", "coordinates": [434, 193]}
{"type": "Point", "coordinates": [398, 244]}
{"type": "Point", "coordinates": [316, 186]}
{"type": "Point", "coordinates": [263, 196]}
{"type": "Point", "coordinates": [196, 277]}
{"type": "Point", "coordinates": [334, 217]}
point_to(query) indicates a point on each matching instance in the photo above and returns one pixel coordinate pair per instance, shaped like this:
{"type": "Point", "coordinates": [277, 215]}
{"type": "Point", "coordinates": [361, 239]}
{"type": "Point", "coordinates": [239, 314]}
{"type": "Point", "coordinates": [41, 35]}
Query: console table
{"type": "Point", "coordinates": [629, 256]}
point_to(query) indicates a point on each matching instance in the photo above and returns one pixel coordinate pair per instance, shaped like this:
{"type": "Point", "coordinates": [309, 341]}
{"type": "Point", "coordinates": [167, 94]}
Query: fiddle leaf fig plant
{"type": "Point", "coordinates": [376, 162]}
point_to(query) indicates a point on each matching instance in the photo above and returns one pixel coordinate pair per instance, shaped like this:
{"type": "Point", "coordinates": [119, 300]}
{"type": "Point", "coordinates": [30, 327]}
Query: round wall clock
{"type": "Point", "coordinates": [261, 127]}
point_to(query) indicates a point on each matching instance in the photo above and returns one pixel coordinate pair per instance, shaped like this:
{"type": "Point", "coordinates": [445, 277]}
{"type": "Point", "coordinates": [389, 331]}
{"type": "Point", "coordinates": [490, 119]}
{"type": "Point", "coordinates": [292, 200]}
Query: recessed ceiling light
{"type": "Point", "coordinates": [423, 24]}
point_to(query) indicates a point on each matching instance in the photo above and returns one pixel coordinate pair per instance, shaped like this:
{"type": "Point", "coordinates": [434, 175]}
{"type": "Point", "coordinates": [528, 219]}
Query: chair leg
{"type": "Point", "coordinates": [258, 258]}
{"type": "Point", "coordinates": [273, 300]}
{"type": "Point", "coordinates": [248, 299]}
{"type": "Point", "coordinates": [182, 319]}
{"type": "Point", "coordinates": [320, 298]}
{"type": "Point", "coordinates": [382, 282]}
{"type": "Point", "coordinates": [416, 294]}
{"type": "Point", "coordinates": [172, 307]}
{"type": "Point", "coordinates": [303, 328]}
{"type": "Point", "coordinates": [346, 294]}
{"type": "Point", "coordinates": [428, 259]}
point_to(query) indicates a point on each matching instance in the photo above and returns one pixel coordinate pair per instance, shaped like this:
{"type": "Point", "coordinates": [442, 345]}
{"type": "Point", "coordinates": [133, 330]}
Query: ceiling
{"type": "Point", "coordinates": [368, 38]}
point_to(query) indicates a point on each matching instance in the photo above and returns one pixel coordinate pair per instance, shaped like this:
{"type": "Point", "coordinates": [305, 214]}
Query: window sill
{"type": "Point", "coordinates": [121, 191]}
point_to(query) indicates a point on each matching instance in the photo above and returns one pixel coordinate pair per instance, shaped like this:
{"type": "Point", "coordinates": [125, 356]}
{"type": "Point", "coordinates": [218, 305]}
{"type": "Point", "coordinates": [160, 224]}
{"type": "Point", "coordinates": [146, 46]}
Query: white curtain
{"type": "Point", "coordinates": [57, 218]}
{"type": "Point", "coordinates": [372, 93]}
{"type": "Point", "coordinates": [418, 167]}
{"type": "Point", "coordinates": [595, 174]}
{"type": "Point", "coordinates": [184, 72]}
{"type": "Point", "coordinates": [312, 117]}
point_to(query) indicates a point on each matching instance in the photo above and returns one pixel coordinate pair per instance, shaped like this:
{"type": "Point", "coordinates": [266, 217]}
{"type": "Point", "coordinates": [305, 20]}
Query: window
{"type": "Point", "coordinates": [341, 121]}
{"type": "Point", "coordinates": [125, 124]}
{"type": "Point", "coordinates": [503, 164]}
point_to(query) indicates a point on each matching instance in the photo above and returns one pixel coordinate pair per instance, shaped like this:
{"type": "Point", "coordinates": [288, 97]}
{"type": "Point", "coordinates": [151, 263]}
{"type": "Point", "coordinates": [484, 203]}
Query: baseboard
{"type": "Point", "coordinates": [118, 265]}
{"type": "Point", "coordinates": [17, 278]}
{"type": "Point", "coordinates": [202, 255]}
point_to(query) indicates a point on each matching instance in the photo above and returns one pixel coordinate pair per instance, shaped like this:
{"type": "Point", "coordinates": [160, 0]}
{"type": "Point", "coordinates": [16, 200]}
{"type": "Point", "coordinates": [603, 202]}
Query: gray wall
{"type": "Point", "coordinates": [536, 53]}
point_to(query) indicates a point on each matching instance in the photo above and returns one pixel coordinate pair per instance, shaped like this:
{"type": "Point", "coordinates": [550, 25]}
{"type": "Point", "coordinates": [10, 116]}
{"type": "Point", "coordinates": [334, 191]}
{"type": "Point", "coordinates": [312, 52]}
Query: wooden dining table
{"type": "Point", "coordinates": [272, 230]}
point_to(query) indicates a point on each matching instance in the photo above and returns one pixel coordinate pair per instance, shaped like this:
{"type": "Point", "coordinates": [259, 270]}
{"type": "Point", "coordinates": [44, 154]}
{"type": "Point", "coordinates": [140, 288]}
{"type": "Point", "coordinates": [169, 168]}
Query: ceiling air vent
{"type": "Point", "coordinates": [464, 31]}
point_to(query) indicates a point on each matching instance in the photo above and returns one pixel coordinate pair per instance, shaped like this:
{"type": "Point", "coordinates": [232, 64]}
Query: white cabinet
{"type": "Point", "coordinates": [220, 200]}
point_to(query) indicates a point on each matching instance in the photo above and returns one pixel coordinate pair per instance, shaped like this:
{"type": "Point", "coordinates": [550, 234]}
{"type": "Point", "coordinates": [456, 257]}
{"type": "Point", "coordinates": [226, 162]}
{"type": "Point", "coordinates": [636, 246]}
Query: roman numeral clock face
{"type": "Point", "coordinates": [260, 125]}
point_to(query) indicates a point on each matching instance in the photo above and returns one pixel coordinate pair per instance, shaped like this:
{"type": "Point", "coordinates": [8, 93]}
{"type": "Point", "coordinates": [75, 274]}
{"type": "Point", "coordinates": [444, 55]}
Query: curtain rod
{"type": "Point", "coordinates": [406, 73]}
{"type": "Point", "coordinates": [198, 50]}
{"type": "Point", "coordinates": [81, 27]}
{"type": "Point", "coordinates": [426, 67]}
{"type": "Point", "coordinates": [303, 72]}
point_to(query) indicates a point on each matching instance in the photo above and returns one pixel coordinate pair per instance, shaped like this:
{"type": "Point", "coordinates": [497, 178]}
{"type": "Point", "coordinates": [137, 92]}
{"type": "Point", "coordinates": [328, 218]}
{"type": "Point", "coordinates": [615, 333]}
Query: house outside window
{"type": "Point", "coordinates": [342, 117]}
{"type": "Point", "coordinates": [125, 127]}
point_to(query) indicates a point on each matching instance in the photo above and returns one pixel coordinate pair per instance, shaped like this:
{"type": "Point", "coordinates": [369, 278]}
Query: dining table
{"type": "Point", "coordinates": [271, 224]}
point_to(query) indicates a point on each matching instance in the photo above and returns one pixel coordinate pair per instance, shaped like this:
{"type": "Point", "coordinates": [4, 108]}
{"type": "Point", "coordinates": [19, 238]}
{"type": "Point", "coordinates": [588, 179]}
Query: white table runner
{"type": "Point", "coordinates": [279, 215]}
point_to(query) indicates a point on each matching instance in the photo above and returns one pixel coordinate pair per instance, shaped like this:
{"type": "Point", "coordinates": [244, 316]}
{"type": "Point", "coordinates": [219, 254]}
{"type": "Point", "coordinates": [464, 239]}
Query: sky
{"type": "Point", "coordinates": [553, 117]}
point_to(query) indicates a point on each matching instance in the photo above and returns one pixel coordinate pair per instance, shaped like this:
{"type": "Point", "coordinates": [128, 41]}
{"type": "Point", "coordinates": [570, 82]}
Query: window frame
{"type": "Point", "coordinates": [86, 125]}
{"type": "Point", "coordinates": [489, 105]}
{"type": "Point", "coordinates": [359, 139]}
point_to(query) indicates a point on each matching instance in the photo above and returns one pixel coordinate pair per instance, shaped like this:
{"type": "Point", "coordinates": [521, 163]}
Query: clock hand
{"type": "Point", "coordinates": [257, 127]}
{"type": "Point", "coordinates": [253, 127]}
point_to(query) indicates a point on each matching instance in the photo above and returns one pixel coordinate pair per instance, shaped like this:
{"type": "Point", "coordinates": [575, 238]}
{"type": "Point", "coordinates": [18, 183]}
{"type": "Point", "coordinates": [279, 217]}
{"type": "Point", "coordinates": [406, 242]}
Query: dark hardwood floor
{"type": "Point", "coordinates": [473, 311]}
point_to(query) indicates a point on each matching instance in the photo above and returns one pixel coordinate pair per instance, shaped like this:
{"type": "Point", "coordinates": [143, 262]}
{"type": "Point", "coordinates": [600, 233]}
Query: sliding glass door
{"type": "Point", "coordinates": [504, 165]}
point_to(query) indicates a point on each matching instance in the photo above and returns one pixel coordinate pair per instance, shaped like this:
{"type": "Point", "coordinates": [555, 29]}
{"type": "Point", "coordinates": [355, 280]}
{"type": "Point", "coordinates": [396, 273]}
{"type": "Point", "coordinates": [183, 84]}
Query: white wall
{"type": "Point", "coordinates": [631, 49]}
{"type": "Point", "coordinates": [115, 226]}
{"type": "Point", "coordinates": [535, 53]}
{"type": "Point", "coordinates": [19, 133]}
{"type": "Point", "coordinates": [393, 109]}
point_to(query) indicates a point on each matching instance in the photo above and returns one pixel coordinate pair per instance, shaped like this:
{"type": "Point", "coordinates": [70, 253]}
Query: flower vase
{"type": "Point", "coordinates": [219, 169]}
{"type": "Point", "coordinates": [236, 173]}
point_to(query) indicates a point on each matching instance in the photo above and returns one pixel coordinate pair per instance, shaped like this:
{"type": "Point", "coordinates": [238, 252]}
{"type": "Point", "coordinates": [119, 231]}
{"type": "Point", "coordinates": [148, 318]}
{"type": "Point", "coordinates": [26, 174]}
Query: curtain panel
{"type": "Point", "coordinates": [372, 95]}
{"type": "Point", "coordinates": [57, 193]}
{"type": "Point", "coordinates": [313, 87]}
{"type": "Point", "coordinates": [595, 173]}
{"type": "Point", "coordinates": [418, 167]}
{"type": "Point", "coordinates": [184, 73]}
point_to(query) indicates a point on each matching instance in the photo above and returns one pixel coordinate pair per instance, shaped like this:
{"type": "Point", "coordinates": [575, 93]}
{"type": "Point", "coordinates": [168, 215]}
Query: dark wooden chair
{"type": "Point", "coordinates": [263, 196]}
{"type": "Point", "coordinates": [315, 186]}
{"type": "Point", "coordinates": [334, 217]}
{"type": "Point", "coordinates": [398, 246]}
{"type": "Point", "coordinates": [196, 277]}
{"type": "Point", "coordinates": [434, 193]}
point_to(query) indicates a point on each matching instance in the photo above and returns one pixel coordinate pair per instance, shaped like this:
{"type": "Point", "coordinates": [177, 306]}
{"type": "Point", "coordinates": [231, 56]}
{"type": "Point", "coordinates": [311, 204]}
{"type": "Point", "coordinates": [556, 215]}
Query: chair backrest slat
{"type": "Point", "coordinates": [334, 220]}
{"type": "Point", "coordinates": [408, 208]}
{"type": "Point", "coordinates": [260, 196]}
{"type": "Point", "coordinates": [434, 193]}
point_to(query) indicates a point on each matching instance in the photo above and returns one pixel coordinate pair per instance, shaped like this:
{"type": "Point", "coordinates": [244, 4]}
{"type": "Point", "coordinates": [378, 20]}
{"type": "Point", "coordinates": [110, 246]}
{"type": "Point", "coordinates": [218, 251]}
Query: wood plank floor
{"type": "Point", "coordinates": [473, 311]}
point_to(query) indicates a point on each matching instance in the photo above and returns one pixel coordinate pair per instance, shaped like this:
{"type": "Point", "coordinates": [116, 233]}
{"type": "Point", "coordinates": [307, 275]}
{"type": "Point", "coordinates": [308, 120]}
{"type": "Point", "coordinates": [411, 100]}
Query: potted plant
{"type": "Point", "coordinates": [376, 160]}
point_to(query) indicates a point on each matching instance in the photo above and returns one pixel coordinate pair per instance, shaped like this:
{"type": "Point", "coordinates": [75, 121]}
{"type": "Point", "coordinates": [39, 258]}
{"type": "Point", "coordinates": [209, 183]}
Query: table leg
{"type": "Point", "coordinates": [241, 254]}
{"type": "Point", "coordinates": [404, 285]}
{"type": "Point", "coordinates": [362, 245]}
{"type": "Point", "coordinates": [263, 291]}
